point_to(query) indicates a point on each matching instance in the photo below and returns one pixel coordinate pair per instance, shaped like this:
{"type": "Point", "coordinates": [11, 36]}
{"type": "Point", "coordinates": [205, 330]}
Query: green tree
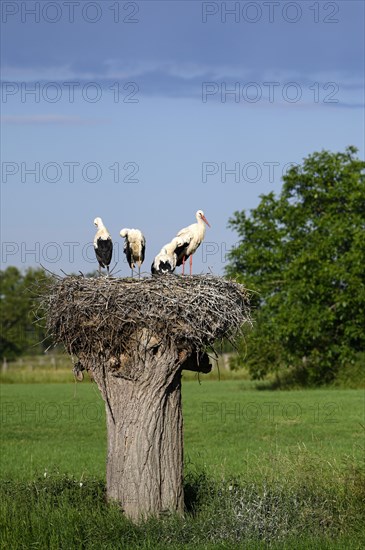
{"type": "Point", "coordinates": [19, 331]}
{"type": "Point", "coordinates": [304, 254]}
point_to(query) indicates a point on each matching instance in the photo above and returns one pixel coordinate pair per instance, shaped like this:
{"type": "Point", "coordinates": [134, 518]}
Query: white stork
{"type": "Point", "coordinates": [165, 261]}
{"type": "Point", "coordinates": [134, 247]}
{"type": "Point", "coordinates": [192, 236]}
{"type": "Point", "coordinates": [103, 245]}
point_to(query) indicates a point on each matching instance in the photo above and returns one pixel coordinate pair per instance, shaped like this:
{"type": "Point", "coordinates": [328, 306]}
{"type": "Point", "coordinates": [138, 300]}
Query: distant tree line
{"type": "Point", "coordinates": [303, 254]}
{"type": "Point", "coordinates": [20, 332]}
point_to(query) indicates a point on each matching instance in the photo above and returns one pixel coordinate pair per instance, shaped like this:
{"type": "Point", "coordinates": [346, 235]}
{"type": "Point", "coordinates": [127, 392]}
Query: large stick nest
{"type": "Point", "coordinates": [100, 315]}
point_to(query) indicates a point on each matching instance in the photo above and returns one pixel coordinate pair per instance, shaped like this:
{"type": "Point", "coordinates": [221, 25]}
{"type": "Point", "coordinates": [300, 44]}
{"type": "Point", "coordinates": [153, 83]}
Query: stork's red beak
{"type": "Point", "coordinates": [206, 221]}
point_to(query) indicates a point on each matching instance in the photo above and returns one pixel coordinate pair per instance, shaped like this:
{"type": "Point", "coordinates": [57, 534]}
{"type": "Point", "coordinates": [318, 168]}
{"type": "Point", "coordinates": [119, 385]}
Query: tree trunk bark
{"type": "Point", "coordinates": [145, 449]}
{"type": "Point", "coordinates": [142, 393]}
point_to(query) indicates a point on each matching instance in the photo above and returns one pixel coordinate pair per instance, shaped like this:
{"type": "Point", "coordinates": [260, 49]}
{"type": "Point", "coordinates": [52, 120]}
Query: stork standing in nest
{"type": "Point", "coordinates": [191, 237]}
{"type": "Point", "coordinates": [103, 245]}
{"type": "Point", "coordinates": [165, 261]}
{"type": "Point", "coordinates": [134, 247]}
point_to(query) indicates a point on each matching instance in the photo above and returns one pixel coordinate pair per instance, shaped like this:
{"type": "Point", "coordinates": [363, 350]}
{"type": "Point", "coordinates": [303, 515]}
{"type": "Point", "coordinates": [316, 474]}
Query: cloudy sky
{"type": "Point", "coordinates": [143, 112]}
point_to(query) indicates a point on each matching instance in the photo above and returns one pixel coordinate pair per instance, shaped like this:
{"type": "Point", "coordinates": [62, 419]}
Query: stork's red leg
{"type": "Point", "coordinates": [183, 265]}
{"type": "Point", "coordinates": [191, 264]}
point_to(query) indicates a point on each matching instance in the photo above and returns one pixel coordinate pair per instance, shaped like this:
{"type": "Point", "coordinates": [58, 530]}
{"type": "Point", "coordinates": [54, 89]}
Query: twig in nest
{"type": "Point", "coordinates": [92, 316]}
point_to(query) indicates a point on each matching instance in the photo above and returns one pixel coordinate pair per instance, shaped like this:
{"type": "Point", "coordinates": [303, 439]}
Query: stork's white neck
{"type": "Point", "coordinates": [201, 229]}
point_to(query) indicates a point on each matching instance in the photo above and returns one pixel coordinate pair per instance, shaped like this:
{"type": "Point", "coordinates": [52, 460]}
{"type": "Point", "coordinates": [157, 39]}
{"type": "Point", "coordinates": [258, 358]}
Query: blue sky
{"type": "Point", "coordinates": [144, 112]}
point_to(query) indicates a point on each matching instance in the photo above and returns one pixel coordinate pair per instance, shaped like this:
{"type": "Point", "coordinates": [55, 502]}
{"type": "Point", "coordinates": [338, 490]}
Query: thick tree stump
{"type": "Point", "coordinates": [134, 337]}
{"type": "Point", "coordinates": [144, 423]}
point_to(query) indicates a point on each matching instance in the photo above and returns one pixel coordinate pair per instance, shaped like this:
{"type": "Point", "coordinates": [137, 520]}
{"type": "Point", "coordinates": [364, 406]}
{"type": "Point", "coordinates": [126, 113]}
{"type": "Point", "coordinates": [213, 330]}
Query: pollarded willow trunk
{"type": "Point", "coordinates": [135, 337]}
{"type": "Point", "coordinates": [145, 427]}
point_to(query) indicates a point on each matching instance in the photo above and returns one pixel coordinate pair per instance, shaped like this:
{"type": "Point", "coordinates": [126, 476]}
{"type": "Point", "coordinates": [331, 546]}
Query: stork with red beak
{"type": "Point", "coordinates": [192, 236]}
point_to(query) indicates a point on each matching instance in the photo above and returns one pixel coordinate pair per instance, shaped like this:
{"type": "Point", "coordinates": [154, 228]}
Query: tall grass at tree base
{"type": "Point", "coordinates": [59, 511]}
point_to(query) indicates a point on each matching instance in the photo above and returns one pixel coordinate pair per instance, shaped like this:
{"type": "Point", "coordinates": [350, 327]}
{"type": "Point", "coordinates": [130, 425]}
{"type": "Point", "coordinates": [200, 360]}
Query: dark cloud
{"type": "Point", "coordinates": [174, 32]}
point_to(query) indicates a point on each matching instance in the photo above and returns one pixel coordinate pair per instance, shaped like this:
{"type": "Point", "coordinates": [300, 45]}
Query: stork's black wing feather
{"type": "Point", "coordinates": [165, 267]}
{"type": "Point", "coordinates": [128, 253]}
{"type": "Point", "coordinates": [162, 269]}
{"type": "Point", "coordinates": [143, 250]}
{"type": "Point", "coordinates": [104, 251]}
{"type": "Point", "coordinates": [180, 252]}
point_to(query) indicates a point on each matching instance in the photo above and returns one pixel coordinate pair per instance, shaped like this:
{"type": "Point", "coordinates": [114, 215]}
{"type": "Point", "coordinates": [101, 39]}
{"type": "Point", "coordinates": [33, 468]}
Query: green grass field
{"type": "Point", "coordinates": [230, 429]}
{"type": "Point", "coordinates": [284, 469]}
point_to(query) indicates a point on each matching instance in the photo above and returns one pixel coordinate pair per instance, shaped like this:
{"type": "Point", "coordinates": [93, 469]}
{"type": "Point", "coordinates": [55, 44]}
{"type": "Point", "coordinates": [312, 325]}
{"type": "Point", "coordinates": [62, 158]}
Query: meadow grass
{"type": "Point", "coordinates": [37, 369]}
{"type": "Point", "coordinates": [62, 512]}
{"type": "Point", "coordinates": [262, 469]}
{"type": "Point", "coordinates": [57, 369]}
{"type": "Point", "coordinates": [229, 428]}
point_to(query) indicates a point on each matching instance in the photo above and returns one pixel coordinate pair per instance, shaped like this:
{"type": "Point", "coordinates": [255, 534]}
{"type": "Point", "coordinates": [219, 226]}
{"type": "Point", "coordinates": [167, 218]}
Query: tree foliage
{"type": "Point", "coordinates": [304, 253]}
{"type": "Point", "coordinates": [19, 331]}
